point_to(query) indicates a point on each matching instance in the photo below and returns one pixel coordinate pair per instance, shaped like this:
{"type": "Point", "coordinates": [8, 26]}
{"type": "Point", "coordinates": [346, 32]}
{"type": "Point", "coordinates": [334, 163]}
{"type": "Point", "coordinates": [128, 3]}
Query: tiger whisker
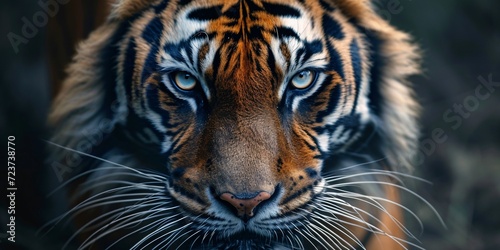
{"type": "Point", "coordinates": [311, 233]}
{"type": "Point", "coordinates": [116, 228]}
{"type": "Point", "coordinates": [333, 209]}
{"type": "Point", "coordinates": [378, 231]}
{"type": "Point", "coordinates": [334, 236]}
{"type": "Point", "coordinates": [121, 218]}
{"type": "Point", "coordinates": [143, 228]}
{"type": "Point", "coordinates": [171, 239]}
{"type": "Point", "coordinates": [211, 237]}
{"type": "Point", "coordinates": [58, 219]}
{"type": "Point", "coordinates": [354, 183]}
{"type": "Point", "coordinates": [374, 172]}
{"type": "Point", "coordinates": [93, 157]}
{"type": "Point", "coordinates": [194, 241]}
{"type": "Point", "coordinates": [189, 237]}
{"type": "Point", "coordinates": [359, 197]}
{"type": "Point", "coordinates": [156, 231]}
{"type": "Point", "coordinates": [304, 236]}
{"type": "Point", "coordinates": [164, 227]}
{"type": "Point", "coordinates": [377, 206]}
{"type": "Point", "coordinates": [355, 166]}
{"type": "Point", "coordinates": [101, 202]}
{"type": "Point", "coordinates": [345, 231]}
{"type": "Point", "coordinates": [111, 213]}
{"type": "Point", "coordinates": [101, 233]}
{"type": "Point", "coordinates": [368, 226]}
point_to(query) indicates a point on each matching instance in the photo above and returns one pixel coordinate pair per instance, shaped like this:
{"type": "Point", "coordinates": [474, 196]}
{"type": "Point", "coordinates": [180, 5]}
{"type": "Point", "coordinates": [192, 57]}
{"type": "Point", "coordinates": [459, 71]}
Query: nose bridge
{"type": "Point", "coordinates": [243, 149]}
{"type": "Point", "coordinates": [243, 123]}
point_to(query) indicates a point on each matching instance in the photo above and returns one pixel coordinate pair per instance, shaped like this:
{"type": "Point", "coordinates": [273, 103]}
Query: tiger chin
{"type": "Point", "coordinates": [237, 125]}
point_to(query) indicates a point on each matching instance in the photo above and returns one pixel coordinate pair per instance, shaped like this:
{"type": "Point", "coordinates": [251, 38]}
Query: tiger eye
{"type": "Point", "coordinates": [184, 80]}
{"type": "Point", "coordinates": [303, 79]}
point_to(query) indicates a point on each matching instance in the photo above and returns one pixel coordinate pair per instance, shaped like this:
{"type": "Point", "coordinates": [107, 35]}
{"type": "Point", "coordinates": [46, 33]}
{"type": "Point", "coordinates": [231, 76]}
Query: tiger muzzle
{"type": "Point", "coordinates": [243, 154]}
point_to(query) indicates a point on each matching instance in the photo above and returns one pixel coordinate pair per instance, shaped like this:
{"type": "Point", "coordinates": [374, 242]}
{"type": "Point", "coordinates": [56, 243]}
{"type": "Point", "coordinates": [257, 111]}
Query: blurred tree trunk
{"type": "Point", "coordinates": [72, 24]}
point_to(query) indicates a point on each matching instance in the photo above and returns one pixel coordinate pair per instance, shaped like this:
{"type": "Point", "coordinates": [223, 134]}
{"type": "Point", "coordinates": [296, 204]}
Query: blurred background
{"type": "Point", "coordinates": [461, 44]}
{"type": "Point", "coordinates": [459, 90]}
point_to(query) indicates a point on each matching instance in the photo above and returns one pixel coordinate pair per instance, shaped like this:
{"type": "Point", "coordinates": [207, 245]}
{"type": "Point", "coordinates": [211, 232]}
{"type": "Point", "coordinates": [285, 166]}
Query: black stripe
{"type": "Point", "coordinates": [177, 173]}
{"type": "Point", "coordinates": [271, 64]}
{"type": "Point", "coordinates": [150, 65]}
{"type": "Point", "coordinates": [326, 5]}
{"type": "Point", "coordinates": [281, 10]}
{"type": "Point", "coordinates": [314, 146]}
{"type": "Point", "coordinates": [313, 47]}
{"type": "Point", "coordinates": [232, 13]}
{"type": "Point", "coordinates": [215, 66]}
{"type": "Point", "coordinates": [206, 14]}
{"type": "Point", "coordinates": [299, 56]}
{"type": "Point", "coordinates": [377, 64]}
{"type": "Point", "coordinates": [333, 100]}
{"type": "Point", "coordinates": [335, 62]}
{"type": "Point", "coordinates": [284, 32]}
{"type": "Point", "coordinates": [332, 27]}
{"type": "Point", "coordinates": [367, 137]}
{"type": "Point", "coordinates": [154, 103]}
{"type": "Point", "coordinates": [357, 67]}
{"type": "Point", "coordinates": [174, 51]}
{"type": "Point", "coordinates": [152, 34]}
{"type": "Point", "coordinates": [183, 3]}
{"type": "Point", "coordinates": [297, 194]}
{"type": "Point", "coordinates": [108, 57]}
{"type": "Point", "coordinates": [231, 36]}
{"type": "Point", "coordinates": [312, 173]}
{"type": "Point", "coordinates": [310, 48]}
{"type": "Point", "coordinates": [350, 122]}
{"type": "Point", "coordinates": [153, 31]}
{"type": "Point", "coordinates": [177, 143]}
{"type": "Point", "coordinates": [310, 146]}
{"type": "Point", "coordinates": [256, 33]}
{"type": "Point", "coordinates": [187, 194]}
{"type": "Point", "coordinates": [161, 6]}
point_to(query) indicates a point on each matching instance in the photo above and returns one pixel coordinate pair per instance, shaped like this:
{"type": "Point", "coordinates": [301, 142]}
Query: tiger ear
{"type": "Point", "coordinates": [123, 9]}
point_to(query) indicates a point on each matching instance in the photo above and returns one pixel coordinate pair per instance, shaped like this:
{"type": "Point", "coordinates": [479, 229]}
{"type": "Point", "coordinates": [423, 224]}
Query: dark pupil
{"type": "Point", "coordinates": [187, 76]}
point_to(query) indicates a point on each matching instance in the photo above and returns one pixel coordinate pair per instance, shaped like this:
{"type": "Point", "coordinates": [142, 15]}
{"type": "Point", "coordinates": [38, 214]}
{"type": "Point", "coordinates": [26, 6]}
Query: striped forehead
{"type": "Point", "coordinates": [208, 26]}
{"type": "Point", "coordinates": [178, 35]}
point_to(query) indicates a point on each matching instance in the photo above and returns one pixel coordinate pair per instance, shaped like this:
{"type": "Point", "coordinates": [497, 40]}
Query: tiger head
{"type": "Point", "coordinates": [243, 113]}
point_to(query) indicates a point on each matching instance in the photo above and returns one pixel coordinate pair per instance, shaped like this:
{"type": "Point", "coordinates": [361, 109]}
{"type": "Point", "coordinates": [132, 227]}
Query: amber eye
{"type": "Point", "coordinates": [184, 80]}
{"type": "Point", "coordinates": [303, 79]}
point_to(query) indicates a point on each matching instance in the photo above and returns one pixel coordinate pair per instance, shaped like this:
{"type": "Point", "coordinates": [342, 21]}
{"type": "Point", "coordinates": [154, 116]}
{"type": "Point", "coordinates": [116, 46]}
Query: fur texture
{"type": "Point", "coordinates": [326, 157]}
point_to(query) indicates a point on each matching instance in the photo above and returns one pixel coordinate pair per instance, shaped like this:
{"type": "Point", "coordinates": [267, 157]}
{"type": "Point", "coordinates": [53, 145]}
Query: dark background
{"type": "Point", "coordinates": [460, 40]}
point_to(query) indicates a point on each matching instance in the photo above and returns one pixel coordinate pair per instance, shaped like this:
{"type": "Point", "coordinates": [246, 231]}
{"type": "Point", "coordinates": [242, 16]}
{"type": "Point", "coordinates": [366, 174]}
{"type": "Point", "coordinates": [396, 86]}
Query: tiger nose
{"type": "Point", "coordinates": [245, 203]}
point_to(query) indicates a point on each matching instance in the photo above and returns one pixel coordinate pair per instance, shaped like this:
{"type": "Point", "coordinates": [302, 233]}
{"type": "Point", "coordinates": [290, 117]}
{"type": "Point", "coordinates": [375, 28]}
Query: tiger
{"type": "Point", "coordinates": [238, 124]}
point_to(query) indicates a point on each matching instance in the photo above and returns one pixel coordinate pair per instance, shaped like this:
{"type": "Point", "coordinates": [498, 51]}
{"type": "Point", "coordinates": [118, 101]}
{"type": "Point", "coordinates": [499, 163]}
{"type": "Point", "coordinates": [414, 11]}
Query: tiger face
{"type": "Point", "coordinates": [236, 120]}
